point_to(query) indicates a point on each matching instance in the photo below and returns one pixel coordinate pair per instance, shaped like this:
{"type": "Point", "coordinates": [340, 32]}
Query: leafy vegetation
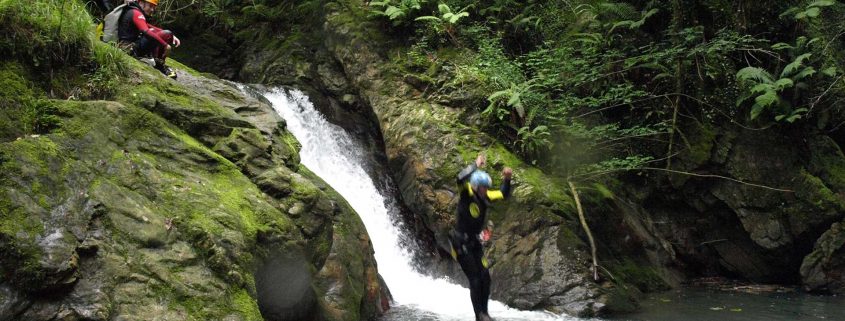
{"type": "Point", "coordinates": [49, 52]}
{"type": "Point", "coordinates": [56, 39]}
{"type": "Point", "coordinates": [589, 87]}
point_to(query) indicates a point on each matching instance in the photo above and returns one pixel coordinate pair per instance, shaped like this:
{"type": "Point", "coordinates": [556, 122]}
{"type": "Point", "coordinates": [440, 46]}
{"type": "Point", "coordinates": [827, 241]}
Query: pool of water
{"type": "Point", "coordinates": [694, 304]}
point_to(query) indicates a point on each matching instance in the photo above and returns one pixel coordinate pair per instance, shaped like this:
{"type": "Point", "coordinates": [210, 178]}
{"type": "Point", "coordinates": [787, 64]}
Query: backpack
{"type": "Point", "coordinates": [111, 23]}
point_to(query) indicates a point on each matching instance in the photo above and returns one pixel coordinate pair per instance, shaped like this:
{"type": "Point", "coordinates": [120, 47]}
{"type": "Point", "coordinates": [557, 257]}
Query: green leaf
{"type": "Point", "coordinates": [497, 94]}
{"type": "Point", "coordinates": [783, 83]}
{"type": "Point", "coordinates": [444, 8]}
{"type": "Point", "coordinates": [822, 3]}
{"type": "Point", "coordinates": [626, 23]}
{"type": "Point", "coordinates": [461, 15]}
{"type": "Point", "coordinates": [767, 99]}
{"type": "Point", "coordinates": [830, 71]}
{"type": "Point", "coordinates": [789, 12]}
{"type": "Point", "coordinates": [756, 110]}
{"type": "Point", "coordinates": [755, 74]}
{"type": "Point", "coordinates": [793, 66]}
{"type": "Point", "coordinates": [515, 100]}
{"type": "Point", "coordinates": [428, 18]}
{"type": "Point", "coordinates": [813, 12]}
{"type": "Point", "coordinates": [642, 20]}
{"type": "Point", "coordinates": [781, 46]}
{"type": "Point", "coordinates": [806, 72]}
{"type": "Point", "coordinates": [742, 98]}
{"type": "Point", "coordinates": [393, 12]}
{"type": "Point", "coordinates": [520, 111]}
{"type": "Point", "coordinates": [603, 190]}
{"type": "Point", "coordinates": [761, 88]}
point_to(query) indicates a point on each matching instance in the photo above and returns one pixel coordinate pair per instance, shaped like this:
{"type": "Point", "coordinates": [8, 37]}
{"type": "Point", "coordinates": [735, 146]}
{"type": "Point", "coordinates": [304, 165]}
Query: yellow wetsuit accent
{"type": "Point", "coordinates": [473, 210]}
{"type": "Point", "coordinates": [495, 195]}
{"type": "Point", "coordinates": [484, 262]}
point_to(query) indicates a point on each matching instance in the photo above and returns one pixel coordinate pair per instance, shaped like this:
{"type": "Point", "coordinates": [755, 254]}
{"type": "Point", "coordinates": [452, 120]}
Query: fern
{"type": "Point", "coordinates": [446, 21]}
{"type": "Point", "coordinates": [618, 10]}
{"type": "Point", "coordinates": [756, 74]}
{"type": "Point", "coordinates": [766, 90]}
{"type": "Point", "coordinates": [398, 12]}
{"type": "Point", "coordinates": [795, 66]}
{"type": "Point", "coordinates": [630, 24]}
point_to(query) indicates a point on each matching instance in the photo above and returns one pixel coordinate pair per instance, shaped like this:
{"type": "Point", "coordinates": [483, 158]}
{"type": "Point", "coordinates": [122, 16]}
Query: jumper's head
{"type": "Point", "coordinates": [480, 181]}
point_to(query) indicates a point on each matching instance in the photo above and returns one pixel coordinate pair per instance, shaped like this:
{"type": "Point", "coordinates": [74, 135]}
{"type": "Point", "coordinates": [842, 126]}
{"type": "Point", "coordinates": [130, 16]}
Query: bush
{"type": "Point", "coordinates": [45, 32]}
{"type": "Point", "coordinates": [55, 39]}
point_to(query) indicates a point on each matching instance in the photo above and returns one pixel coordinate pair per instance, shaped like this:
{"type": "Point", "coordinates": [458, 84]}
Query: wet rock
{"type": "Point", "coordinates": [823, 270]}
{"type": "Point", "coordinates": [275, 182]}
{"type": "Point", "coordinates": [162, 207]}
{"type": "Point", "coordinates": [284, 289]}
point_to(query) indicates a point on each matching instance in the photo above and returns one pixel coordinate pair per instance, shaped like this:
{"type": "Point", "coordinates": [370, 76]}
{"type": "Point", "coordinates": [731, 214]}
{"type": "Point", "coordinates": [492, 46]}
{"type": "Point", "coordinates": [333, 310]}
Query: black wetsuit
{"type": "Point", "coordinates": [466, 245]}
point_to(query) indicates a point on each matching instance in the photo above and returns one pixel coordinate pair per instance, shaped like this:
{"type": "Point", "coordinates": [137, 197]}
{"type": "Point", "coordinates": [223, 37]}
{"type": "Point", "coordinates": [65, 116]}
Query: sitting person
{"type": "Point", "coordinates": [143, 40]}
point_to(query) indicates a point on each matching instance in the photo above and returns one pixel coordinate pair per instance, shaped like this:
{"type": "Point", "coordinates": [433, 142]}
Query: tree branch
{"type": "Point", "coordinates": [586, 229]}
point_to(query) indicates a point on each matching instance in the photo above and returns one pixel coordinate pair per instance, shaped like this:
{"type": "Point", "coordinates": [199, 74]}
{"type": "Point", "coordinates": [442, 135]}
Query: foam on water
{"type": "Point", "coordinates": [331, 153]}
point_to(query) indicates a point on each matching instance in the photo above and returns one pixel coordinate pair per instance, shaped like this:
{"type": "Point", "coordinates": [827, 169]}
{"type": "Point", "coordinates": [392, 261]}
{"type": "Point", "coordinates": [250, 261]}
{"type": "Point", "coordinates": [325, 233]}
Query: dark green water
{"type": "Point", "coordinates": [710, 305]}
{"type": "Point", "coordinates": [689, 305]}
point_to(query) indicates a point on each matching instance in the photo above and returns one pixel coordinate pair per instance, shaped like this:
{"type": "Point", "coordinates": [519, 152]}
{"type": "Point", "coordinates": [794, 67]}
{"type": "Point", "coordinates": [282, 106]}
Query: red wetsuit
{"type": "Point", "coordinates": [162, 37]}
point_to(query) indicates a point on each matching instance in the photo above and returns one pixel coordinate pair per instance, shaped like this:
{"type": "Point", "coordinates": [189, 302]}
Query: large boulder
{"type": "Point", "coordinates": [177, 201]}
{"type": "Point", "coordinates": [824, 269]}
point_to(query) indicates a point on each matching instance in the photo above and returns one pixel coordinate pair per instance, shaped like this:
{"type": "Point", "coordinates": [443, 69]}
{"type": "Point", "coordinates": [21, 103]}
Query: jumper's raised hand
{"type": "Point", "coordinates": [507, 173]}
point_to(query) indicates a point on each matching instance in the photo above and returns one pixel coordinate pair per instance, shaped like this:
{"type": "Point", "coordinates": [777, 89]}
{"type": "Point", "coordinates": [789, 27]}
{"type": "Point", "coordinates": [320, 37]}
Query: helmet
{"type": "Point", "coordinates": [153, 2]}
{"type": "Point", "coordinates": [480, 178]}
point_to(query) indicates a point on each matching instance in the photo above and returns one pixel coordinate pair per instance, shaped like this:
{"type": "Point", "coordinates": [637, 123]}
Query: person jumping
{"type": "Point", "coordinates": [466, 245]}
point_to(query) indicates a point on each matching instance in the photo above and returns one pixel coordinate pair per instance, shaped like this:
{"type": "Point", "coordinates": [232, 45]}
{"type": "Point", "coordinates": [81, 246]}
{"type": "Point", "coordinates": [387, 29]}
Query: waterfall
{"type": "Point", "coordinates": [329, 152]}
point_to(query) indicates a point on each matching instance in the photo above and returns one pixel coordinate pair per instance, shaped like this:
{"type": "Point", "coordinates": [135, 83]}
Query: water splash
{"type": "Point", "coordinates": [329, 152]}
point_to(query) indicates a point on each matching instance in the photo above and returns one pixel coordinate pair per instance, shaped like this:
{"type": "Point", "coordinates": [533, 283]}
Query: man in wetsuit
{"type": "Point", "coordinates": [144, 40]}
{"type": "Point", "coordinates": [475, 198]}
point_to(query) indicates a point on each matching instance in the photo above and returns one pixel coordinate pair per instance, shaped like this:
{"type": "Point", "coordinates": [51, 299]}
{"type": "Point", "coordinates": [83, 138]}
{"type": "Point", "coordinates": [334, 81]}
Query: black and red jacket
{"type": "Point", "coordinates": [133, 23]}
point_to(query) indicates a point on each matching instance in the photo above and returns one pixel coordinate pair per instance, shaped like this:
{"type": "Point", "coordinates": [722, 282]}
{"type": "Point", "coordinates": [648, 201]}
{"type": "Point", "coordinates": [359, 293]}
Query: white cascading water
{"type": "Point", "coordinates": [332, 154]}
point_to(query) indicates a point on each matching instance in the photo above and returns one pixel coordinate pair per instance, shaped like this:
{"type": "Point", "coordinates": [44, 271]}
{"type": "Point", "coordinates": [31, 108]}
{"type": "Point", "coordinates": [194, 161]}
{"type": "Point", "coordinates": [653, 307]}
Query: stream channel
{"type": "Point", "coordinates": [330, 152]}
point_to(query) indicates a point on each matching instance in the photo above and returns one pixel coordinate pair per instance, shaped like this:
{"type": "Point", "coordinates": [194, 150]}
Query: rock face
{"type": "Point", "coordinates": [761, 228]}
{"type": "Point", "coordinates": [824, 269]}
{"type": "Point", "coordinates": [177, 201]}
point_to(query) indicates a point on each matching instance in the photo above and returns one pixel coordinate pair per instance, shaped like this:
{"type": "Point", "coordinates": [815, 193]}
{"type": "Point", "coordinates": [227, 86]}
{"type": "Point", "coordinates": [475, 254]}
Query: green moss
{"type": "Point", "coordinates": [225, 164]}
{"type": "Point", "coordinates": [75, 127]}
{"type": "Point", "coordinates": [18, 222]}
{"type": "Point", "coordinates": [644, 277]}
{"type": "Point", "coordinates": [293, 147]}
{"type": "Point", "coordinates": [20, 99]}
{"type": "Point", "coordinates": [304, 189]}
{"type": "Point", "coordinates": [827, 162]}
{"type": "Point", "coordinates": [812, 188]}
{"type": "Point", "coordinates": [32, 156]}
{"type": "Point", "coordinates": [231, 189]}
{"type": "Point", "coordinates": [246, 305]}
{"type": "Point", "coordinates": [176, 64]}
{"type": "Point", "coordinates": [700, 144]}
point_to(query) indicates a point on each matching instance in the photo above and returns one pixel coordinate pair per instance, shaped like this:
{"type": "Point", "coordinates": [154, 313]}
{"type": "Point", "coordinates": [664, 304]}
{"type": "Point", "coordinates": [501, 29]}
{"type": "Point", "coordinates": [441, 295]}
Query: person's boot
{"type": "Point", "coordinates": [166, 70]}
